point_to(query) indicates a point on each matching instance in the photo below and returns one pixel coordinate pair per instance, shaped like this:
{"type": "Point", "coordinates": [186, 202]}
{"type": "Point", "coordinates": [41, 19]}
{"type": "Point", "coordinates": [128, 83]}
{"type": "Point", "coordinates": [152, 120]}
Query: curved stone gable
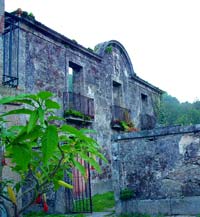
{"type": "Point", "coordinates": [101, 50]}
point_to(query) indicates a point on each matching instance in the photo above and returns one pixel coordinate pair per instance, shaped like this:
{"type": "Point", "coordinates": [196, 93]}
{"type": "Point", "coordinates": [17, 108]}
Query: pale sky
{"type": "Point", "coordinates": [162, 37]}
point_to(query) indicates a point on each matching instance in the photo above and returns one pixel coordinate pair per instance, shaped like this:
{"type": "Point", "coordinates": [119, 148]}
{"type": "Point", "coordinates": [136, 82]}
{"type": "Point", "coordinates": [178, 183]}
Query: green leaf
{"type": "Point", "coordinates": [94, 164]}
{"type": "Point", "coordinates": [18, 111]}
{"type": "Point", "coordinates": [26, 101]}
{"type": "Point", "coordinates": [28, 137]}
{"type": "Point", "coordinates": [71, 130]}
{"type": "Point", "coordinates": [49, 142]}
{"type": "Point", "coordinates": [32, 121]}
{"type": "Point", "coordinates": [50, 104]}
{"type": "Point", "coordinates": [11, 99]}
{"type": "Point", "coordinates": [44, 95]}
{"type": "Point", "coordinates": [41, 115]}
{"type": "Point", "coordinates": [21, 155]}
{"type": "Point", "coordinates": [88, 131]}
{"type": "Point", "coordinates": [80, 167]}
{"type": "Point", "coordinates": [44, 171]}
{"type": "Point", "coordinates": [65, 184]}
{"type": "Point", "coordinates": [55, 118]}
{"type": "Point", "coordinates": [84, 156]}
{"type": "Point", "coordinates": [18, 186]}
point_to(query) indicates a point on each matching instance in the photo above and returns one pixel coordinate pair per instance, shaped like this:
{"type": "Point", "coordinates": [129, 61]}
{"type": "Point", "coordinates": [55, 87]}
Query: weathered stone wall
{"type": "Point", "coordinates": [1, 37]}
{"type": "Point", "coordinates": [1, 57]}
{"type": "Point", "coordinates": [44, 60]}
{"type": "Point", "coordinates": [162, 166]}
{"type": "Point", "coordinates": [44, 64]}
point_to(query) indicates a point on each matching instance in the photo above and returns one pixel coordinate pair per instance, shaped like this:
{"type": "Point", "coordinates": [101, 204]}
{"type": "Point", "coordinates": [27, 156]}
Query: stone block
{"type": "Point", "coordinates": [130, 206]}
{"type": "Point", "coordinates": [186, 206]}
{"type": "Point", "coordinates": [154, 206]}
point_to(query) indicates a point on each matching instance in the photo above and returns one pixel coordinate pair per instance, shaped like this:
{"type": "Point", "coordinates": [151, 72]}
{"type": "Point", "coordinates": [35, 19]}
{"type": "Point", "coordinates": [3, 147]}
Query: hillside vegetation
{"type": "Point", "coordinates": [172, 112]}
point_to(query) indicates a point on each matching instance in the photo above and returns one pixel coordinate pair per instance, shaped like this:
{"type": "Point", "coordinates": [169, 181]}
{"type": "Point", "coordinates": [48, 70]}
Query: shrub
{"type": "Point", "coordinates": [126, 194]}
{"type": "Point", "coordinates": [109, 49]}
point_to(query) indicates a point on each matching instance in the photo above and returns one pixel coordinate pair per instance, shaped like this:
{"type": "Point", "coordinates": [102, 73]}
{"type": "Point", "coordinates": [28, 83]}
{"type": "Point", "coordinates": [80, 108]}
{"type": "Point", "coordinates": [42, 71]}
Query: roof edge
{"type": "Point", "coordinates": [53, 34]}
{"type": "Point", "coordinates": [147, 84]}
{"type": "Point", "coordinates": [101, 49]}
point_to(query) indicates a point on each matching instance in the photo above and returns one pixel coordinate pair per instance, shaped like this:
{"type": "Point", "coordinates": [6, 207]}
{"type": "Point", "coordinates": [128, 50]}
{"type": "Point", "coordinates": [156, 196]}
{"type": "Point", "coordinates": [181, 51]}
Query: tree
{"type": "Point", "coordinates": [48, 148]}
{"type": "Point", "coordinates": [169, 110]}
{"type": "Point", "coordinates": [173, 112]}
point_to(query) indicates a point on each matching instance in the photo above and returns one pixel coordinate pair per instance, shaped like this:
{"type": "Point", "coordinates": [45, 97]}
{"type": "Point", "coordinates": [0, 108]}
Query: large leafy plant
{"type": "Point", "coordinates": [42, 149]}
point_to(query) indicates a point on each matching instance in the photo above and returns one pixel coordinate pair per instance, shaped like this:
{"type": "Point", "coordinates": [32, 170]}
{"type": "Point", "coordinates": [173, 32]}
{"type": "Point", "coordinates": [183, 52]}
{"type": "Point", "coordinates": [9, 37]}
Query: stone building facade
{"type": "Point", "coordinates": [161, 165]}
{"type": "Point", "coordinates": [101, 83]}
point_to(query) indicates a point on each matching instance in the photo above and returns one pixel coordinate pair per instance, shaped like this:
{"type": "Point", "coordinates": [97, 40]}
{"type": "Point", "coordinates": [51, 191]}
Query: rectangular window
{"type": "Point", "coordinates": [117, 93]}
{"type": "Point", "coordinates": [74, 78]}
{"type": "Point", "coordinates": [70, 80]}
{"type": "Point", "coordinates": [144, 98]}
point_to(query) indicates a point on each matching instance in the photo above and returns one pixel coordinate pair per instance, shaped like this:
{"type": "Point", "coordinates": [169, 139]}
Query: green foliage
{"type": "Point", "coordinates": [109, 49]}
{"type": "Point", "coordinates": [39, 214]}
{"type": "Point", "coordinates": [31, 15]}
{"type": "Point", "coordinates": [173, 112]}
{"type": "Point", "coordinates": [126, 126]}
{"type": "Point", "coordinates": [103, 202]}
{"type": "Point", "coordinates": [48, 148]}
{"type": "Point", "coordinates": [126, 194]}
{"type": "Point", "coordinates": [75, 113]}
{"type": "Point", "coordinates": [90, 49]}
{"type": "Point", "coordinates": [79, 204]}
{"type": "Point", "coordinates": [100, 202]}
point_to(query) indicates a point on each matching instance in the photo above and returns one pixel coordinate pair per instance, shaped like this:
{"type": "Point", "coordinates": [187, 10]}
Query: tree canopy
{"type": "Point", "coordinates": [172, 112]}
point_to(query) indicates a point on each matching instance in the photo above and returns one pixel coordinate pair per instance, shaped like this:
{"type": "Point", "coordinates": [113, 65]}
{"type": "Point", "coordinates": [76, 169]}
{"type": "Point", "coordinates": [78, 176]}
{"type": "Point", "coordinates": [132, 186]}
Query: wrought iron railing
{"type": "Point", "coordinates": [11, 53]}
{"type": "Point", "coordinates": [78, 102]}
{"type": "Point", "coordinates": [120, 114]}
{"type": "Point", "coordinates": [10, 81]}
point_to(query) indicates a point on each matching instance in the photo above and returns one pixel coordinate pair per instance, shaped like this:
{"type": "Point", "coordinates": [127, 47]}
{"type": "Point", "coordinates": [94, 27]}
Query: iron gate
{"type": "Point", "coordinates": [79, 198]}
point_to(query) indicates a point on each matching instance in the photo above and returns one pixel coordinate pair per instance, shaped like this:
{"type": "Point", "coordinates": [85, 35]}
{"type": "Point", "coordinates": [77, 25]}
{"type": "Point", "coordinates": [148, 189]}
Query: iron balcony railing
{"type": "Point", "coordinates": [78, 102]}
{"type": "Point", "coordinates": [120, 114]}
{"type": "Point", "coordinates": [11, 53]}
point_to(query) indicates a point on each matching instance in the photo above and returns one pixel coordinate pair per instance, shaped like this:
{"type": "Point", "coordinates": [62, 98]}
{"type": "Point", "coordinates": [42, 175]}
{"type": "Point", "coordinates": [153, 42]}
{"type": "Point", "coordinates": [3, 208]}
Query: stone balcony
{"type": "Point", "coordinates": [78, 108]}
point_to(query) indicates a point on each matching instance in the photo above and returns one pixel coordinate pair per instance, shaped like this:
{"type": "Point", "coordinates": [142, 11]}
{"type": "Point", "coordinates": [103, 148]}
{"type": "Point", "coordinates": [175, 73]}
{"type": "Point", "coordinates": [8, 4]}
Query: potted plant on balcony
{"type": "Point", "coordinates": [126, 126]}
{"type": "Point", "coordinates": [71, 113]}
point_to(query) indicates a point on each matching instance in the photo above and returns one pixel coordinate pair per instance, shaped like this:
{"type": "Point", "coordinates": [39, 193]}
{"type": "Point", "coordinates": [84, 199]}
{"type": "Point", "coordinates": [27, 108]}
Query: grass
{"type": "Point", "coordinates": [100, 203]}
{"type": "Point", "coordinates": [81, 205]}
{"type": "Point", "coordinates": [40, 214]}
{"type": "Point", "coordinates": [103, 202]}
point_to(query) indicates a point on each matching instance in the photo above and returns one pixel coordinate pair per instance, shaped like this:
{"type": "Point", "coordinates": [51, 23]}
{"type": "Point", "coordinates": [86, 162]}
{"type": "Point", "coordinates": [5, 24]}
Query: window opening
{"type": "Point", "coordinates": [144, 98]}
{"type": "Point", "coordinates": [70, 80]}
{"type": "Point", "coordinates": [117, 93]}
{"type": "Point", "coordinates": [74, 78]}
